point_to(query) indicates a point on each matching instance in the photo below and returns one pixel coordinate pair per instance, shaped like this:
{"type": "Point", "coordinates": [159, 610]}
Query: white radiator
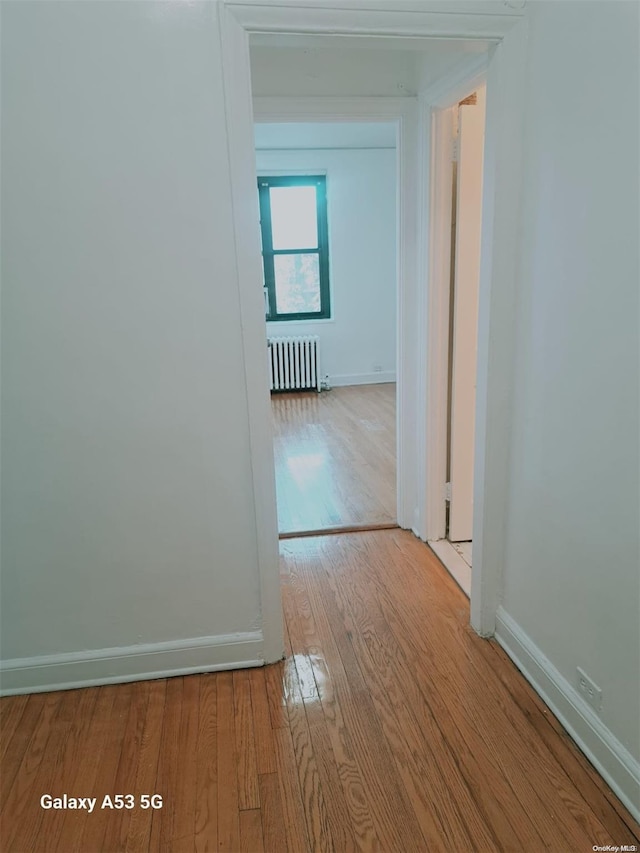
{"type": "Point", "coordinates": [294, 363]}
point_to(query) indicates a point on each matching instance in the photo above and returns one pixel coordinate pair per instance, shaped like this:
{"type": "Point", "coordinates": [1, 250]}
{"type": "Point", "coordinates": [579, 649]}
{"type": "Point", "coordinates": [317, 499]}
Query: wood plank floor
{"type": "Point", "coordinates": [389, 727]}
{"type": "Point", "coordinates": [335, 457]}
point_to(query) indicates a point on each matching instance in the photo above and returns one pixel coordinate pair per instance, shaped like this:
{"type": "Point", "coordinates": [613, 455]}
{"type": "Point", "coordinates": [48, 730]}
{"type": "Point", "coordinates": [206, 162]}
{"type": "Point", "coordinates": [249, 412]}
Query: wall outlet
{"type": "Point", "coordinates": [377, 368]}
{"type": "Point", "coordinates": [590, 690]}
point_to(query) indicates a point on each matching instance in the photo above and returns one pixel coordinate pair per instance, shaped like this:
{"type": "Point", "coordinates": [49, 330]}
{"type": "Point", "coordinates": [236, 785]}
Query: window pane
{"type": "Point", "coordinates": [297, 283]}
{"type": "Point", "coordinates": [294, 223]}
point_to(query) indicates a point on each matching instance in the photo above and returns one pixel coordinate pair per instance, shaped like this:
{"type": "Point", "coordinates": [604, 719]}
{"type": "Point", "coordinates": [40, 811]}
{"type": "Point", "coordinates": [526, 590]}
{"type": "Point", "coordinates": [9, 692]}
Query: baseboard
{"type": "Point", "coordinates": [130, 663]}
{"type": "Point", "coordinates": [610, 757]}
{"type": "Point", "coordinates": [336, 381]}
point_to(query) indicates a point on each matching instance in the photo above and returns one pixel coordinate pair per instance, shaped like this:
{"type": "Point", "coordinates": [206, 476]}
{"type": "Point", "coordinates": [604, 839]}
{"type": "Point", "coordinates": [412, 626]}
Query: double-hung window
{"type": "Point", "coordinates": [295, 251]}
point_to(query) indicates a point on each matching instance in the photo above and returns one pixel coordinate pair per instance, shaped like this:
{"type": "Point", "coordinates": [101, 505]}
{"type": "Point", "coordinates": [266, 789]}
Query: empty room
{"type": "Point", "coordinates": [328, 218]}
{"type": "Point", "coordinates": [232, 617]}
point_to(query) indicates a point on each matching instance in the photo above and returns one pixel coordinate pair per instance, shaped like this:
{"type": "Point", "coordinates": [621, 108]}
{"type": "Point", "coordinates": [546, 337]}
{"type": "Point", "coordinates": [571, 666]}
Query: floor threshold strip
{"type": "Point", "coordinates": [343, 528]}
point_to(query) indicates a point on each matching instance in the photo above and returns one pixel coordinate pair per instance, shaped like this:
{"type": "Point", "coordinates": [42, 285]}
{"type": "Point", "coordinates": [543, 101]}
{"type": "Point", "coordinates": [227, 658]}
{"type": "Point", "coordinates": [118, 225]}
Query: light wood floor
{"type": "Point", "coordinates": [335, 457]}
{"type": "Point", "coordinates": [389, 727]}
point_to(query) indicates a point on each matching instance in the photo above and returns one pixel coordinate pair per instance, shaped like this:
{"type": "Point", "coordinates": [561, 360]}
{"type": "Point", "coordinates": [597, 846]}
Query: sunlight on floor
{"type": "Point", "coordinates": [335, 457]}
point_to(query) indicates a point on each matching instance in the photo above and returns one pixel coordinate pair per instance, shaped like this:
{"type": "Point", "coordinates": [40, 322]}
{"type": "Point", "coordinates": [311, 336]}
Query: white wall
{"type": "Point", "coordinates": [361, 209]}
{"type": "Point", "coordinates": [127, 500]}
{"type": "Point", "coordinates": [572, 579]}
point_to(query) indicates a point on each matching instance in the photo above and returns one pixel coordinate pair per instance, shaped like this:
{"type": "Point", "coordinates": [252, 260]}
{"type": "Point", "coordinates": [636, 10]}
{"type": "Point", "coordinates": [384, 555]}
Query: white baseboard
{"type": "Point", "coordinates": [336, 381]}
{"type": "Point", "coordinates": [130, 663]}
{"type": "Point", "coordinates": [610, 757]}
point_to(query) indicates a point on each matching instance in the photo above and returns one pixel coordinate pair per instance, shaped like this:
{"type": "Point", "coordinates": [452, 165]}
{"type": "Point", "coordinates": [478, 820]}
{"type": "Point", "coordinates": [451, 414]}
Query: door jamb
{"type": "Point", "coordinates": [504, 78]}
{"type": "Point", "coordinates": [436, 113]}
{"type": "Point", "coordinates": [500, 234]}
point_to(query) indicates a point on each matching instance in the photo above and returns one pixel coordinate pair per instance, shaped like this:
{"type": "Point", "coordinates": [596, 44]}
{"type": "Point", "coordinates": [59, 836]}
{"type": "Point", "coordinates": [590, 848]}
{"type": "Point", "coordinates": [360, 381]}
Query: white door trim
{"type": "Point", "coordinates": [504, 76]}
{"type": "Point", "coordinates": [480, 19]}
{"type": "Point", "coordinates": [239, 118]}
{"type": "Point", "coordinates": [436, 122]}
{"type": "Point", "coordinates": [501, 215]}
{"type": "Point", "coordinates": [434, 268]}
{"type": "Point", "coordinates": [500, 230]}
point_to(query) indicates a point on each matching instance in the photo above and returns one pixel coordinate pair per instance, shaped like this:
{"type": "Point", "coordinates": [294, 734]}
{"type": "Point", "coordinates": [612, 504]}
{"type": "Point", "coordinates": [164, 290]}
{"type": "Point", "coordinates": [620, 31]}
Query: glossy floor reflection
{"type": "Point", "coordinates": [335, 457]}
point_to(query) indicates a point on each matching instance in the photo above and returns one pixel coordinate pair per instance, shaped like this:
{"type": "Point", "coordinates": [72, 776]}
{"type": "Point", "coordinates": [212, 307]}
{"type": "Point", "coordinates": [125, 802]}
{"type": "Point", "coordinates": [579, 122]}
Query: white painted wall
{"type": "Point", "coordinates": [361, 209]}
{"type": "Point", "coordinates": [127, 499]}
{"type": "Point", "coordinates": [572, 580]}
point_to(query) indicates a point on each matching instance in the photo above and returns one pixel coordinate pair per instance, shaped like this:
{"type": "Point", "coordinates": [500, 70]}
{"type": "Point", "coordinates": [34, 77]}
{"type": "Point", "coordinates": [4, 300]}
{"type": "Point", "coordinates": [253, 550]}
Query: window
{"type": "Point", "coordinates": [295, 251]}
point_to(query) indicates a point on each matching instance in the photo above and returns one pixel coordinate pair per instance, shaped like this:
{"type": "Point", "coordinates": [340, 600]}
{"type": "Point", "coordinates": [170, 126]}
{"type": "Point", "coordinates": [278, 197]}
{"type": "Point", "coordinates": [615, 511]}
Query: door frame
{"type": "Point", "coordinates": [437, 105]}
{"type": "Point", "coordinates": [418, 296]}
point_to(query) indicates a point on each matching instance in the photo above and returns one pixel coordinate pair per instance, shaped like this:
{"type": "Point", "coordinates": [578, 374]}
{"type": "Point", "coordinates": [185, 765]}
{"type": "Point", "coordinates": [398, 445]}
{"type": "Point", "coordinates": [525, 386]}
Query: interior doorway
{"type": "Point", "coordinates": [328, 210]}
{"type": "Point", "coordinates": [466, 121]}
{"type": "Point", "coordinates": [502, 39]}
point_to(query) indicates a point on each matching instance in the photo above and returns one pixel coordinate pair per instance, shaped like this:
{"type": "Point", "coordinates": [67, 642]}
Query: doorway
{"type": "Point", "coordinates": [419, 498]}
{"type": "Point", "coordinates": [467, 123]}
{"type": "Point", "coordinates": [328, 196]}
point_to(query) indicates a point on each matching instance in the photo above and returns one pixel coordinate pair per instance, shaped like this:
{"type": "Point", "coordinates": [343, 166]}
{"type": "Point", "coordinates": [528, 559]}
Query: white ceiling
{"type": "Point", "coordinates": [314, 135]}
{"type": "Point", "coordinates": [312, 65]}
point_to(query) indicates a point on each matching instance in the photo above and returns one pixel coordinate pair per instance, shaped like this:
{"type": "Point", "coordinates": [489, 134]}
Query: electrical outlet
{"type": "Point", "coordinates": [377, 368]}
{"type": "Point", "coordinates": [590, 690]}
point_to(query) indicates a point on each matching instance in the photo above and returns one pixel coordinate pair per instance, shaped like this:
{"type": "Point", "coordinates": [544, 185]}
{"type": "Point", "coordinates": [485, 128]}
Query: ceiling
{"type": "Point", "coordinates": [334, 65]}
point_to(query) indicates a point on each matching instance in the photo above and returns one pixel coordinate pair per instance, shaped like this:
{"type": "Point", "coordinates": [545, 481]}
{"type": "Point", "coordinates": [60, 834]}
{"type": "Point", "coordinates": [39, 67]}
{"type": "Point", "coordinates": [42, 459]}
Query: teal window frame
{"type": "Point", "coordinates": [269, 253]}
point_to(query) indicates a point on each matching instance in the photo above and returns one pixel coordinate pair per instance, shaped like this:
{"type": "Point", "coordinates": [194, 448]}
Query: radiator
{"type": "Point", "coordinates": [294, 363]}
